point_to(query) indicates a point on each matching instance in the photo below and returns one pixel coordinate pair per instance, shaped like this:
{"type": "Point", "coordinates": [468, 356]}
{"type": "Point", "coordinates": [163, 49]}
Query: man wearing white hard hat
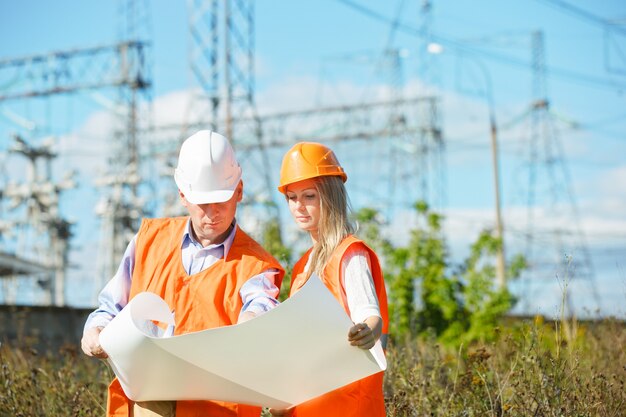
{"type": "Point", "coordinates": [203, 265]}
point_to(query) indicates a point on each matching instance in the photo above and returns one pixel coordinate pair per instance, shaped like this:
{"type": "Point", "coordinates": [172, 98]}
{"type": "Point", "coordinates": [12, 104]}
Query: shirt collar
{"type": "Point", "coordinates": [227, 243]}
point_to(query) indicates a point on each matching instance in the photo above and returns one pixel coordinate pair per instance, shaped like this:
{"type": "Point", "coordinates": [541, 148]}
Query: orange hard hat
{"type": "Point", "coordinates": [307, 160]}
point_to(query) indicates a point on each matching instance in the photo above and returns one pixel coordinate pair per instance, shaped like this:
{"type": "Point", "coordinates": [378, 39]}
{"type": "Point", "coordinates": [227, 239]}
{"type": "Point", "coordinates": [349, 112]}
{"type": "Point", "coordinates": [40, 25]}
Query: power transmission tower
{"type": "Point", "coordinates": [433, 186]}
{"type": "Point", "coordinates": [122, 205]}
{"type": "Point", "coordinates": [120, 67]}
{"type": "Point", "coordinates": [550, 197]}
{"type": "Point", "coordinates": [222, 63]}
{"type": "Point", "coordinates": [408, 161]}
{"type": "Point", "coordinates": [41, 222]}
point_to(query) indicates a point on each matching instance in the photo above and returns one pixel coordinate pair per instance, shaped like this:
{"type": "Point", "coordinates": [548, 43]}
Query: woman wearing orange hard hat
{"type": "Point", "coordinates": [312, 181]}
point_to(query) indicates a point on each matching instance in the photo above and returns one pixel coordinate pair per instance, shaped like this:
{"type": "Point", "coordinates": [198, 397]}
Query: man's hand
{"type": "Point", "coordinates": [245, 316]}
{"type": "Point", "coordinates": [91, 343]}
{"type": "Point", "coordinates": [284, 412]}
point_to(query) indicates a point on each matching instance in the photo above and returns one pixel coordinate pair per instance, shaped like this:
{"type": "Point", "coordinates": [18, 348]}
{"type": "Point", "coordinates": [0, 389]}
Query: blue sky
{"type": "Point", "coordinates": [306, 56]}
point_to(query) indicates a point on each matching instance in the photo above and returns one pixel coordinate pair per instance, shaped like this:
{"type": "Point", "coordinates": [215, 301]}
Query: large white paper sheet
{"type": "Point", "coordinates": [295, 352]}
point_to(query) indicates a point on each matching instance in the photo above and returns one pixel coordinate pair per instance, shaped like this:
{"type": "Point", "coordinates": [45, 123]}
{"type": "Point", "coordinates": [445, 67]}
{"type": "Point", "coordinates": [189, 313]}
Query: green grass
{"type": "Point", "coordinates": [533, 369]}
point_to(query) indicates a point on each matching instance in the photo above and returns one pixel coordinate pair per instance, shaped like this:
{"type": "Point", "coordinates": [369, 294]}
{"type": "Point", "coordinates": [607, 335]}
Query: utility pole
{"type": "Point", "coordinates": [495, 160]}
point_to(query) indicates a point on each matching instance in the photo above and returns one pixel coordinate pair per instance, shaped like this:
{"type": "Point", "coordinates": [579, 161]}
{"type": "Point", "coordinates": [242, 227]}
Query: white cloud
{"type": "Point", "coordinates": [174, 107]}
{"type": "Point", "coordinates": [612, 183]}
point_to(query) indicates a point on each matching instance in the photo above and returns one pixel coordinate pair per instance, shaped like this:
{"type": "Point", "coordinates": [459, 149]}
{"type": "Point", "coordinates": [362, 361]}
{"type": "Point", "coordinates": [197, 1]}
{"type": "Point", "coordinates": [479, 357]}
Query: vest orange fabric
{"type": "Point", "coordinates": [363, 397]}
{"type": "Point", "coordinates": [201, 301]}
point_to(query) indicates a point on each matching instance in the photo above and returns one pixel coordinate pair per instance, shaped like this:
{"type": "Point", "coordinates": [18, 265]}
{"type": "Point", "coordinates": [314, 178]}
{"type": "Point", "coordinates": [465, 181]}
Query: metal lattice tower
{"type": "Point", "coordinates": [562, 244]}
{"type": "Point", "coordinates": [119, 68]}
{"type": "Point", "coordinates": [433, 155]}
{"type": "Point", "coordinates": [403, 164]}
{"type": "Point", "coordinates": [122, 205]}
{"type": "Point", "coordinates": [392, 61]}
{"type": "Point", "coordinates": [41, 221]}
{"type": "Point", "coordinates": [222, 63]}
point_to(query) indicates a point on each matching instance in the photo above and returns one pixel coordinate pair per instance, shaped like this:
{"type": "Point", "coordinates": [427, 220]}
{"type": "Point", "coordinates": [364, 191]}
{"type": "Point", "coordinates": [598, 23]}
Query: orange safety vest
{"type": "Point", "coordinates": [201, 301]}
{"type": "Point", "coordinates": [365, 396]}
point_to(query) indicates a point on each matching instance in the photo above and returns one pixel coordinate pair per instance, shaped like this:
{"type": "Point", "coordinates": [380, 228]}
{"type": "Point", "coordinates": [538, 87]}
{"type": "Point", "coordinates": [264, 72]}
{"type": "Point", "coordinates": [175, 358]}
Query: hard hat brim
{"type": "Point", "coordinates": [209, 197]}
{"type": "Point", "coordinates": [283, 187]}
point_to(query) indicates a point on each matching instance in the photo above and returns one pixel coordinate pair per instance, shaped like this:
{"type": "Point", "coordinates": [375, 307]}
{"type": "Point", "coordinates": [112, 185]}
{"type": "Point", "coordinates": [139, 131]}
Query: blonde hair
{"type": "Point", "coordinates": [334, 225]}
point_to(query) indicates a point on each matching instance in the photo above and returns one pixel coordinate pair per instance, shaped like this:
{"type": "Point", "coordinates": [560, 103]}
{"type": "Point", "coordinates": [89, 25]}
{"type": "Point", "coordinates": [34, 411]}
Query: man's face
{"type": "Point", "coordinates": [211, 221]}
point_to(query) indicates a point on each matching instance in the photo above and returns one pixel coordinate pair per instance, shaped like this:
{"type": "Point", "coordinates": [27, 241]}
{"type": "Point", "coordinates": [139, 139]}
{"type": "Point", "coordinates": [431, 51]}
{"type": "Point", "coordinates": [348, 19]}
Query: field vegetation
{"type": "Point", "coordinates": [530, 369]}
{"type": "Point", "coordinates": [453, 351]}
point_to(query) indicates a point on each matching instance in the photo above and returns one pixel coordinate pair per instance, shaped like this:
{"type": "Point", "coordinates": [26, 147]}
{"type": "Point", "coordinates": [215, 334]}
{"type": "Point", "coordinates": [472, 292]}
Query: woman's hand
{"type": "Point", "coordinates": [364, 335]}
{"type": "Point", "coordinates": [361, 335]}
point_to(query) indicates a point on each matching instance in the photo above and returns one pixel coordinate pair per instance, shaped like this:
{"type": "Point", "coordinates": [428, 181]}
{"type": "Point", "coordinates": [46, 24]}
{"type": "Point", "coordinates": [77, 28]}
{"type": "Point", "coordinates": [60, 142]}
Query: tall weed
{"type": "Point", "coordinates": [519, 374]}
{"type": "Point", "coordinates": [63, 384]}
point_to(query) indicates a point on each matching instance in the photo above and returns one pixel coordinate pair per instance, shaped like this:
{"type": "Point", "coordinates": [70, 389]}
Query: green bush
{"type": "Point", "coordinates": [426, 295]}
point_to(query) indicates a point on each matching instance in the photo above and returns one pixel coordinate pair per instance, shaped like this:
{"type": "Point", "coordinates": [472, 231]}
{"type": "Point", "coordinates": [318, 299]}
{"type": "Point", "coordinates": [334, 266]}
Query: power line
{"type": "Point", "coordinates": [508, 60]}
{"type": "Point", "coordinates": [583, 14]}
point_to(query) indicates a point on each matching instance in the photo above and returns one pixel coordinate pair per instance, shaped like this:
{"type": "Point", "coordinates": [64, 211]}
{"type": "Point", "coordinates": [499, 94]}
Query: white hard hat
{"type": "Point", "coordinates": [207, 171]}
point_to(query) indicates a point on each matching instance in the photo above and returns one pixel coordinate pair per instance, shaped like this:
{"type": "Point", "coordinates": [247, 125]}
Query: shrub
{"type": "Point", "coordinates": [426, 295]}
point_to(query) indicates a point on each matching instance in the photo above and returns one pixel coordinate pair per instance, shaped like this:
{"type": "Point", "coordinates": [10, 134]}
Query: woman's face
{"type": "Point", "coordinates": [304, 205]}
